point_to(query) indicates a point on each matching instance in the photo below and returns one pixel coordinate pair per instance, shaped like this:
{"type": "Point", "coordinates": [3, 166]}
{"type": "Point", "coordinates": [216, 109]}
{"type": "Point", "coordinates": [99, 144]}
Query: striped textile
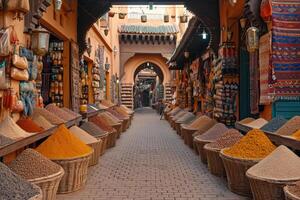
{"type": "Point", "coordinates": [286, 47]}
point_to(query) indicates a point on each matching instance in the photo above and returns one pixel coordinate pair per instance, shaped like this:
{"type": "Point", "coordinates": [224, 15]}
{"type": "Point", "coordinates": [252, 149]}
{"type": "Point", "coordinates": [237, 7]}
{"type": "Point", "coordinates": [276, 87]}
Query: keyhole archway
{"type": "Point", "coordinates": [152, 66]}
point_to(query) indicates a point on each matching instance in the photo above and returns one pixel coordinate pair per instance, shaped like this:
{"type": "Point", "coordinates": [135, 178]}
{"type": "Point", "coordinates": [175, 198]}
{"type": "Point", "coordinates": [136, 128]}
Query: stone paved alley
{"type": "Point", "coordinates": [151, 162]}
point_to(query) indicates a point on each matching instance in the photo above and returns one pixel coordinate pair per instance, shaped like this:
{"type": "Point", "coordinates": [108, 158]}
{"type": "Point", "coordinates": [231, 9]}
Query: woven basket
{"type": "Point", "coordinates": [289, 195]}
{"type": "Point", "coordinates": [38, 196]}
{"type": "Point", "coordinates": [188, 136]}
{"type": "Point", "coordinates": [236, 173]}
{"type": "Point", "coordinates": [268, 189]}
{"type": "Point", "coordinates": [49, 184]}
{"type": "Point", "coordinates": [199, 145]}
{"type": "Point", "coordinates": [214, 162]}
{"type": "Point", "coordinates": [177, 128]}
{"type": "Point", "coordinates": [76, 170]}
{"type": "Point", "coordinates": [104, 138]}
{"type": "Point", "coordinates": [118, 128]}
{"type": "Point", "coordinates": [97, 146]}
{"type": "Point", "coordinates": [113, 139]}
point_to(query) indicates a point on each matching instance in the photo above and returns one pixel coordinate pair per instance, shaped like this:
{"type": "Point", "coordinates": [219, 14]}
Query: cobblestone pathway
{"type": "Point", "coordinates": [151, 162]}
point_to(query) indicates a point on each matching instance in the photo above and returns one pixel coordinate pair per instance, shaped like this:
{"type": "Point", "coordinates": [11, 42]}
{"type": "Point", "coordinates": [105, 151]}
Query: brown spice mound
{"type": "Point", "coordinates": [228, 139]}
{"type": "Point", "coordinates": [290, 127]}
{"type": "Point", "coordinates": [52, 118]}
{"type": "Point", "coordinates": [254, 145]}
{"type": "Point", "coordinates": [59, 112]}
{"type": "Point", "coordinates": [101, 123]}
{"type": "Point", "coordinates": [213, 133]}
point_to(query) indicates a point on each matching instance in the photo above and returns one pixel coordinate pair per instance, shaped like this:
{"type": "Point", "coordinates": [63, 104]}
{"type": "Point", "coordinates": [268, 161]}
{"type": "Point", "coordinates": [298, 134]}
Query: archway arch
{"type": "Point", "coordinates": [153, 67]}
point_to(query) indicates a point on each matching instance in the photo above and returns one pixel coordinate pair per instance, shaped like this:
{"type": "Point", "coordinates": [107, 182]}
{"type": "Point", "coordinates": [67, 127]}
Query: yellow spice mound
{"type": "Point", "coordinates": [63, 145]}
{"type": "Point", "coordinates": [296, 135]}
{"type": "Point", "coordinates": [254, 145]}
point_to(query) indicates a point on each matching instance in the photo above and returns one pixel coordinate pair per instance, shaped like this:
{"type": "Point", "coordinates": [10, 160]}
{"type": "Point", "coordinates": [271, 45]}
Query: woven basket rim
{"type": "Point", "coordinates": [59, 173]}
{"type": "Point", "coordinates": [38, 196]}
{"type": "Point", "coordinates": [98, 141]}
{"type": "Point", "coordinates": [75, 158]}
{"type": "Point", "coordinates": [288, 193]}
{"type": "Point", "coordinates": [237, 159]}
{"type": "Point", "coordinates": [206, 147]}
{"type": "Point", "coordinates": [271, 180]}
{"type": "Point", "coordinates": [201, 140]}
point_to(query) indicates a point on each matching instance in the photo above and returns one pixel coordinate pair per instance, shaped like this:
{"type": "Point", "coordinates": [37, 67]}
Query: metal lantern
{"type": "Point", "coordinates": [166, 18]}
{"type": "Point", "coordinates": [106, 65]}
{"type": "Point", "coordinates": [252, 39]}
{"type": "Point", "coordinates": [144, 18]}
{"type": "Point", "coordinates": [58, 4]}
{"type": "Point", "coordinates": [183, 19]}
{"type": "Point", "coordinates": [106, 30]}
{"type": "Point", "coordinates": [40, 41]}
{"type": "Point", "coordinates": [122, 15]}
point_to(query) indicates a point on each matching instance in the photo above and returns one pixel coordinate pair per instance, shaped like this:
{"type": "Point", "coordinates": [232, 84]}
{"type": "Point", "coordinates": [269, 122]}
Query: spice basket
{"type": "Point", "coordinates": [289, 195]}
{"type": "Point", "coordinates": [118, 128]}
{"type": "Point", "coordinates": [214, 162]}
{"type": "Point", "coordinates": [97, 146]}
{"type": "Point", "coordinates": [188, 136]}
{"type": "Point", "coordinates": [199, 144]}
{"type": "Point", "coordinates": [268, 189]}
{"type": "Point", "coordinates": [76, 170]}
{"type": "Point", "coordinates": [49, 184]}
{"type": "Point", "coordinates": [103, 137]}
{"type": "Point", "coordinates": [38, 196]}
{"type": "Point", "coordinates": [236, 173]}
{"type": "Point", "coordinates": [127, 123]}
{"type": "Point", "coordinates": [112, 138]}
{"type": "Point", "coordinates": [177, 128]}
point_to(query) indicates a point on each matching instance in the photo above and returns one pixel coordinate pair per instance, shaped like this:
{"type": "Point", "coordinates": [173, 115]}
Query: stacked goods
{"type": "Point", "coordinates": [59, 112]}
{"type": "Point", "coordinates": [201, 125]}
{"type": "Point", "coordinates": [38, 170]}
{"type": "Point", "coordinates": [215, 164]}
{"type": "Point", "coordinates": [42, 122]}
{"type": "Point", "coordinates": [269, 176]}
{"type": "Point", "coordinates": [72, 154]}
{"type": "Point", "coordinates": [185, 119]}
{"type": "Point", "coordinates": [71, 112]}
{"type": "Point", "coordinates": [241, 156]}
{"type": "Point", "coordinates": [4, 141]}
{"type": "Point", "coordinates": [292, 191]}
{"type": "Point", "coordinates": [97, 132]}
{"type": "Point", "coordinates": [290, 126]}
{"type": "Point", "coordinates": [112, 133]}
{"type": "Point", "coordinates": [13, 187]}
{"type": "Point", "coordinates": [209, 136]}
{"type": "Point", "coordinates": [273, 125]}
{"type": "Point", "coordinates": [29, 125]}
{"type": "Point", "coordinates": [93, 142]}
{"type": "Point", "coordinates": [52, 118]}
{"type": "Point", "coordinates": [11, 130]}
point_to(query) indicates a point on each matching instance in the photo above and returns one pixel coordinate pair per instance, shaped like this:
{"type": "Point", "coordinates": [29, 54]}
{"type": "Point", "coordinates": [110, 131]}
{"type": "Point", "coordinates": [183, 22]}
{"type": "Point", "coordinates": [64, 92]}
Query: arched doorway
{"type": "Point", "coordinates": [148, 88]}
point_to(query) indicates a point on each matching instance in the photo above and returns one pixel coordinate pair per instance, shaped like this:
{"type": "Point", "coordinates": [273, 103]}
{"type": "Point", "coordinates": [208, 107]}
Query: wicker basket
{"type": "Point", "coordinates": [214, 162]}
{"type": "Point", "coordinates": [49, 184]}
{"type": "Point", "coordinates": [199, 145]}
{"type": "Point", "coordinates": [76, 170]}
{"type": "Point", "coordinates": [289, 195]}
{"type": "Point", "coordinates": [38, 196]}
{"type": "Point", "coordinates": [97, 146]}
{"type": "Point", "coordinates": [268, 189]}
{"type": "Point", "coordinates": [188, 136]}
{"type": "Point", "coordinates": [177, 128]}
{"type": "Point", "coordinates": [118, 128]}
{"type": "Point", "coordinates": [236, 173]}
{"type": "Point", "coordinates": [104, 142]}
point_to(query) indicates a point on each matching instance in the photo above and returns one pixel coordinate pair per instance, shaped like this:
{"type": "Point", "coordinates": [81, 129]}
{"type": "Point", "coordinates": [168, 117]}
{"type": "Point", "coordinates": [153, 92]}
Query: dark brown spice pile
{"type": "Point", "coordinates": [59, 112]}
{"type": "Point", "coordinates": [213, 133]}
{"type": "Point", "coordinates": [228, 139]}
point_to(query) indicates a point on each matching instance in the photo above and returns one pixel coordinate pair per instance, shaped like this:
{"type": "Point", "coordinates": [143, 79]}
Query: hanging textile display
{"type": "Point", "coordinates": [75, 77]}
{"type": "Point", "coordinates": [254, 90]}
{"type": "Point", "coordinates": [286, 48]}
{"type": "Point", "coordinates": [264, 68]}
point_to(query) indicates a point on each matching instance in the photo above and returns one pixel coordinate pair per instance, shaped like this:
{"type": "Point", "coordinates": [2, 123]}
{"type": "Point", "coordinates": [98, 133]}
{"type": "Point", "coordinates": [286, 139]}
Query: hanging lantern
{"type": "Point", "coordinates": [243, 22]}
{"type": "Point", "coordinates": [40, 41]}
{"type": "Point", "coordinates": [58, 4]}
{"type": "Point", "coordinates": [106, 30]}
{"type": "Point", "coordinates": [183, 19]}
{"type": "Point", "coordinates": [252, 39]}
{"type": "Point", "coordinates": [106, 65]}
{"type": "Point", "coordinates": [122, 15]}
{"type": "Point", "coordinates": [144, 18]}
{"type": "Point", "coordinates": [111, 14]}
{"type": "Point", "coordinates": [166, 18]}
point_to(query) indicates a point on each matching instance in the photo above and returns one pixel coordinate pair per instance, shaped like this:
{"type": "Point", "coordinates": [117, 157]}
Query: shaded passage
{"type": "Point", "coordinates": [151, 162]}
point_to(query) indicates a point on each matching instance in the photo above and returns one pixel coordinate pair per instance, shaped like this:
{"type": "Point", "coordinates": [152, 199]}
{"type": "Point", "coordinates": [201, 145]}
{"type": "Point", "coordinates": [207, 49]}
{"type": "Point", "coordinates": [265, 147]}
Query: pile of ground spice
{"type": "Point", "coordinates": [30, 164]}
{"type": "Point", "coordinates": [118, 109]}
{"type": "Point", "coordinates": [213, 133]}
{"type": "Point", "coordinates": [290, 126]}
{"type": "Point", "coordinates": [274, 124]}
{"type": "Point", "coordinates": [296, 135]}
{"type": "Point", "coordinates": [257, 124]}
{"type": "Point", "coordinates": [14, 187]}
{"type": "Point", "coordinates": [281, 165]}
{"type": "Point", "coordinates": [4, 141]}
{"type": "Point", "coordinates": [228, 139]}
{"type": "Point", "coordinates": [254, 145]}
{"type": "Point", "coordinates": [83, 135]}
{"type": "Point", "coordinates": [117, 114]}
{"type": "Point", "coordinates": [42, 122]}
{"type": "Point", "coordinates": [113, 117]}
{"type": "Point", "coordinates": [71, 112]}
{"type": "Point", "coordinates": [59, 112]}
{"type": "Point", "coordinates": [294, 189]}
{"type": "Point", "coordinates": [99, 121]}
{"type": "Point", "coordinates": [52, 118]}
{"type": "Point", "coordinates": [107, 103]}
{"type": "Point", "coordinates": [200, 121]}
{"type": "Point", "coordinates": [93, 129]}
{"type": "Point", "coordinates": [10, 129]}
{"type": "Point", "coordinates": [246, 120]}
{"type": "Point", "coordinates": [63, 145]}
{"type": "Point", "coordinates": [178, 115]}
{"type": "Point", "coordinates": [186, 118]}
{"type": "Point", "coordinates": [129, 111]}
{"type": "Point", "coordinates": [101, 106]}
{"type": "Point", "coordinates": [174, 111]}
{"type": "Point", "coordinates": [29, 125]}
{"type": "Point", "coordinates": [108, 119]}
{"type": "Point", "coordinates": [203, 127]}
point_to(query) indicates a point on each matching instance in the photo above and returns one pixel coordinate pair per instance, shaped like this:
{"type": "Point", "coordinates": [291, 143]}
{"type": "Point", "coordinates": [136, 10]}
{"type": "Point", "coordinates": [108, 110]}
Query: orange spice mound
{"type": "Point", "coordinates": [254, 145]}
{"type": "Point", "coordinates": [63, 145]}
{"type": "Point", "coordinates": [296, 135]}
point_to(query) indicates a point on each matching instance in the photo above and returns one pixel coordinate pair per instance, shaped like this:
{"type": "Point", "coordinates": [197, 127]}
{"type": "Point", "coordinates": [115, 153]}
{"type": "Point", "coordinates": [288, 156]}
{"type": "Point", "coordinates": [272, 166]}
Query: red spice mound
{"type": "Point", "coordinates": [29, 125]}
{"type": "Point", "coordinates": [101, 123]}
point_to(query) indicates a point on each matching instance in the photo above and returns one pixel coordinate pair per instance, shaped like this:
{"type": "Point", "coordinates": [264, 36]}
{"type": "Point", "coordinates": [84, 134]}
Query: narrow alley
{"type": "Point", "coordinates": [150, 161]}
